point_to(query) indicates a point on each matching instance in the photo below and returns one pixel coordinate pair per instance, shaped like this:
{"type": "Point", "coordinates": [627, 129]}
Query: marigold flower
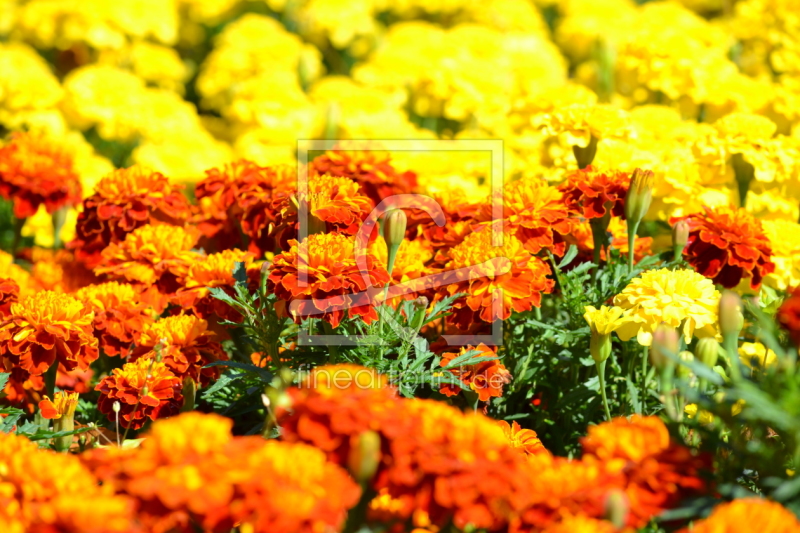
{"type": "Point", "coordinates": [729, 517]}
{"type": "Point", "coordinates": [726, 245]}
{"type": "Point", "coordinates": [11, 273]}
{"type": "Point", "coordinates": [510, 267]}
{"type": "Point", "coordinates": [460, 216]}
{"type": "Point", "coordinates": [58, 271]}
{"type": "Point", "coordinates": [486, 378]}
{"type": "Point", "coordinates": [680, 298]}
{"type": "Point", "coordinates": [119, 315]}
{"type": "Point", "coordinates": [756, 356]}
{"type": "Point", "coordinates": [784, 238]}
{"type": "Point", "coordinates": [789, 315]}
{"type": "Point", "coordinates": [411, 260]}
{"type": "Point", "coordinates": [590, 191]}
{"type": "Point", "coordinates": [213, 271]}
{"type": "Point", "coordinates": [372, 169]}
{"type": "Point", "coordinates": [524, 440]}
{"type": "Point", "coordinates": [579, 123]}
{"type": "Point", "coordinates": [602, 323]}
{"type": "Point", "coordinates": [535, 213]}
{"type": "Point", "coordinates": [123, 201]}
{"type": "Point", "coordinates": [64, 404]}
{"type": "Point", "coordinates": [48, 328]}
{"type": "Point", "coordinates": [185, 346]}
{"type": "Point", "coordinates": [336, 285]}
{"type": "Point", "coordinates": [151, 255]}
{"type": "Point", "coordinates": [35, 170]}
{"type": "Point", "coordinates": [144, 388]}
{"type": "Point", "coordinates": [581, 524]}
{"type": "Point", "coordinates": [53, 492]}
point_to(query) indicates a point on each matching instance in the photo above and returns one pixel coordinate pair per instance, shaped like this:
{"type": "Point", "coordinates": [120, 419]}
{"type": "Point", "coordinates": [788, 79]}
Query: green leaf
{"type": "Point", "coordinates": [469, 356]}
{"type": "Point", "coordinates": [42, 434]}
{"type": "Point", "coordinates": [12, 417]}
{"type": "Point", "coordinates": [227, 377]}
{"type": "Point", "coordinates": [240, 273]}
{"type": "Point", "coordinates": [263, 374]}
{"type": "Point", "coordinates": [571, 254]}
{"type": "Point", "coordinates": [633, 392]}
{"type": "Point", "coordinates": [4, 379]}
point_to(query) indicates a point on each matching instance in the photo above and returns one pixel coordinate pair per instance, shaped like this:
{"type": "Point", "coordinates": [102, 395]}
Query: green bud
{"type": "Point", "coordinates": [600, 347]}
{"type": "Point", "coordinates": [683, 371]}
{"type": "Point", "coordinates": [640, 194]}
{"type": "Point", "coordinates": [707, 351]}
{"type": "Point", "coordinates": [394, 231]}
{"type": "Point", "coordinates": [584, 155]}
{"type": "Point", "coordinates": [665, 341]}
{"type": "Point", "coordinates": [730, 314]}
{"type": "Point", "coordinates": [189, 392]}
{"type": "Point", "coordinates": [364, 456]}
{"type": "Point", "coordinates": [680, 237]}
{"type": "Point", "coordinates": [617, 508]}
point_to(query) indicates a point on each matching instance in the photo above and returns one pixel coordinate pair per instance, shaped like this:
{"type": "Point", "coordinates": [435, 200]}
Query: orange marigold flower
{"type": "Point", "coordinates": [789, 315]}
{"type": "Point", "coordinates": [9, 294]}
{"type": "Point", "coordinates": [372, 169]}
{"type": "Point", "coordinates": [460, 217]}
{"type": "Point", "coordinates": [732, 517]}
{"type": "Point", "coordinates": [25, 391]}
{"type": "Point", "coordinates": [57, 270]}
{"type": "Point", "coordinates": [46, 328]}
{"type": "Point", "coordinates": [337, 202]}
{"type": "Point", "coordinates": [185, 346]}
{"type": "Point", "coordinates": [524, 440]}
{"type": "Point", "coordinates": [582, 524]}
{"type": "Point", "coordinates": [151, 255]}
{"type": "Point", "coordinates": [64, 405]}
{"type": "Point", "coordinates": [226, 192]}
{"type": "Point", "coordinates": [36, 170]}
{"type": "Point", "coordinates": [590, 191]}
{"type": "Point", "coordinates": [535, 213]}
{"type": "Point", "coordinates": [144, 389]}
{"type": "Point", "coordinates": [119, 315]}
{"type": "Point", "coordinates": [123, 201]}
{"type": "Point", "coordinates": [510, 267]}
{"type": "Point", "coordinates": [486, 378]}
{"type": "Point", "coordinates": [12, 275]}
{"type": "Point", "coordinates": [335, 284]}
{"type": "Point", "coordinates": [190, 473]}
{"type": "Point", "coordinates": [726, 245]}
{"type": "Point", "coordinates": [50, 492]}
{"type": "Point", "coordinates": [213, 271]}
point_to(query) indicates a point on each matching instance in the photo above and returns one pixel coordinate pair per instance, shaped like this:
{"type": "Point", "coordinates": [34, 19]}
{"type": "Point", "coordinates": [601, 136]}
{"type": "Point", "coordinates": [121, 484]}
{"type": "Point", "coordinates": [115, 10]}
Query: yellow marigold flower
{"type": "Point", "coordinates": [579, 123]}
{"type": "Point", "coordinates": [606, 320]}
{"type": "Point", "coordinates": [730, 517]}
{"type": "Point", "coordinates": [756, 356]}
{"type": "Point", "coordinates": [47, 328]}
{"type": "Point", "coordinates": [11, 270]}
{"type": "Point", "coordinates": [29, 88]}
{"type": "Point", "coordinates": [150, 255]}
{"type": "Point", "coordinates": [64, 404]}
{"type": "Point", "coordinates": [784, 238]}
{"type": "Point", "coordinates": [412, 256]}
{"type": "Point", "coordinates": [749, 136]}
{"type": "Point", "coordinates": [679, 298]}
{"type": "Point", "coordinates": [692, 411]}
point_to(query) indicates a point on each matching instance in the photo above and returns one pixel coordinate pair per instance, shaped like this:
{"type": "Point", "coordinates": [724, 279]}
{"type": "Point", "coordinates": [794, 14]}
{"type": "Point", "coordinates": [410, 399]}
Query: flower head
{"type": "Point", "coordinates": [119, 315]}
{"type": "Point", "coordinates": [64, 404]}
{"type": "Point", "coordinates": [151, 255]}
{"type": "Point", "coordinates": [486, 378]}
{"type": "Point", "coordinates": [143, 389]}
{"type": "Point", "coordinates": [48, 328]}
{"type": "Point", "coordinates": [335, 284]}
{"type": "Point", "coordinates": [784, 239]}
{"type": "Point", "coordinates": [756, 356]}
{"type": "Point", "coordinates": [729, 517]}
{"type": "Point", "coordinates": [478, 268]}
{"type": "Point", "coordinates": [123, 201]}
{"type": "Point", "coordinates": [679, 298]}
{"type": "Point", "coordinates": [727, 245]}
{"type": "Point", "coordinates": [591, 192]}
{"type": "Point", "coordinates": [524, 440]}
{"type": "Point", "coordinates": [34, 171]}
{"type": "Point", "coordinates": [789, 315]}
{"type": "Point", "coordinates": [184, 344]}
{"type": "Point", "coordinates": [602, 323]}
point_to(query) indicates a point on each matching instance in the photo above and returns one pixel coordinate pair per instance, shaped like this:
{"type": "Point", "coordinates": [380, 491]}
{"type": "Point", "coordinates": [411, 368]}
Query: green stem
{"type": "Point", "coordinates": [632, 229]}
{"type": "Point", "coordinates": [601, 376]}
{"type": "Point", "coordinates": [644, 378]}
{"type": "Point", "coordinates": [332, 348]}
{"type": "Point", "coordinates": [731, 345]}
{"type": "Point", "coordinates": [18, 224]}
{"type": "Point", "coordinates": [50, 379]}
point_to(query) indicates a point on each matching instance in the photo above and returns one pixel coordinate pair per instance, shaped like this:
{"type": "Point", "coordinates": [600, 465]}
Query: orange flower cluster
{"type": "Point", "coordinates": [591, 192]}
{"type": "Point", "coordinates": [334, 286]}
{"type": "Point", "coordinates": [190, 473]}
{"type": "Point", "coordinates": [123, 201]}
{"type": "Point", "coordinates": [143, 389]}
{"type": "Point", "coordinates": [789, 315]}
{"type": "Point", "coordinates": [372, 169]}
{"type": "Point", "coordinates": [486, 378]}
{"type": "Point", "coordinates": [35, 171]}
{"type": "Point", "coordinates": [731, 517]}
{"type": "Point", "coordinates": [728, 245]}
{"type": "Point", "coordinates": [183, 343]}
{"type": "Point", "coordinates": [119, 315]}
{"type": "Point", "coordinates": [47, 492]}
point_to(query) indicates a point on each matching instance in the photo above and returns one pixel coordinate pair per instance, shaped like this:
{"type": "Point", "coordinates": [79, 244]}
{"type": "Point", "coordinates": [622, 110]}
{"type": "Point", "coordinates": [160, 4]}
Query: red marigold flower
{"type": "Point", "coordinates": [184, 345]}
{"type": "Point", "coordinates": [119, 315]}
{"type": "Point", "coordinates": [47, 492]}
{"type": "Point", "coordinates": [372, 169]}
{"type": "Point", "coordinates": [226, 192]}
{"type": "Point", "coordinates": [535, 213]}
{"type": "Point", "coordinates": [123, 201]}
{"type": "Point", "coordinates": [190, 473]}
{"type": "Point", "coordinates": [522, 439]}
{"type": "Point", "coordinates": [733, 516]}
{"type": "Point", "coordinates": [789, 315]}
{"type": "Point", "coordinates": [46, 328]}
{"type": "Point", "coordinates": [145, 388]}
{"type": "Point", "coordinates": [151, 255]}
{"type": "Point", "coordinates": [726, 245]}
{"type": "Point", "coordinates": [35, 170]}
{"type": "Point", "coordinates": [486, 378]}
{"type": "Point", "coordinates": [213, 271]}
{"type": "Point", "coordinates": [589, 191]}
{"type": "Point", "coordinates": [335, 285]}
{"type": "Point", "coordinates": [484, 268]}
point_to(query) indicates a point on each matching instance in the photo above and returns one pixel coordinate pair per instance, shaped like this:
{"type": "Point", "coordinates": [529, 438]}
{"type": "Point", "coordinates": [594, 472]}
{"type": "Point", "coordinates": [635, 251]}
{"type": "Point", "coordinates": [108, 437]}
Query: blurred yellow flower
{"type": "Point", "coordinates": [784, 237]}
{"type": "Point", "coordinates": [756, 356]}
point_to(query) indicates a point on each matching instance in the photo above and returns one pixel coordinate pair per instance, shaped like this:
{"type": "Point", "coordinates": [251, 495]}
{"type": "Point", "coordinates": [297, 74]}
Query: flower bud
{"type": "Point", "coordinates": [680, 237]}
{"type": "Point", "coordinates": [394, 231]}
{"type": "Point", "coordinates": [584, 155]}
{"type": "Point", "coordinates": [707, 351]}
{"type": "Point", "coordinates": [617, 508]}
{"type": "Point", "coordinates": [640, 194]}
{"type": "Point", "coordinates": [364, 456]}
{"type": "Point", "coordinates": [600, 347]}
{"type": "Point", "coordinates": [683, 371]}
{"type": "Point", "coordinates": [730, 314]}
{"type": "Point", "coordinates": [665, 341]}
{"type": "Point", "coordinates": [189, 392]}
{"type": "Point", "coordinates": [745, 172]}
